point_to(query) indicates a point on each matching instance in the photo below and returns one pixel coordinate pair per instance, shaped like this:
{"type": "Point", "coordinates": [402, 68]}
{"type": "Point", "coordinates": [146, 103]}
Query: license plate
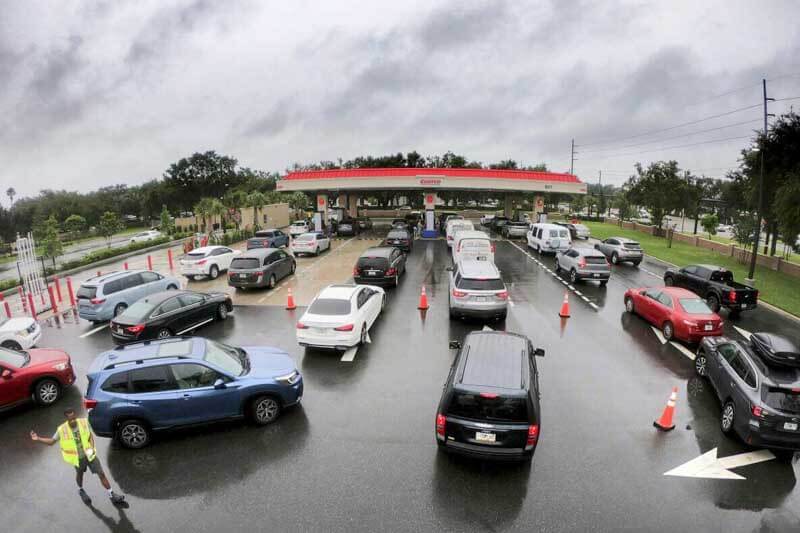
{"type": "Point", "coordinates": [242, 276]}
{"type": "Point", "coordinates": [480, 298]}
{"type": "Point", "coordinates": [595, 275]}
{"type": "Point", "coordinates": [319, 331]}
{"type": "Point", "coordinates": [744, 306]}
{"type": "Point", "coordinates": [371, 273]}
{"type": "Point", "coordinates": [791, 426]}
{"type": "Point", "coordinates": [482, 436]}
{"type": "Point", "coordinates": [709, 327]}
{"type": "Point", "coordinates": [481, 258]}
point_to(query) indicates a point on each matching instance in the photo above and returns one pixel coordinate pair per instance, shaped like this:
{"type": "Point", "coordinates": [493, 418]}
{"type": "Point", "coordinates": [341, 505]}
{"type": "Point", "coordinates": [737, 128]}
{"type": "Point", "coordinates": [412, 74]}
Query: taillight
{"type": "Point", "coordinates": [458, 294]}
{"type": "Point", "coordinates": [440, 423]}
{"type": "Point", "coordinates": [201, 262]}
{"type": "Point", "coordinates": [582, 262]}
{"type": "Point", "coordinates": [259, 274]}
{"type": "Point", "coordinates": [97, 301]}
{"type": "Point", "coordinates": [503, 295]}
{"type": "Point", "coordinates": [300, 325]}
{"type": "Point", "coordinates": [449, 238]}
{"type": "Point", "coordinates": [757, 411]}
{"type": "Point", "coordinates": [391, 272]}
{"type": "Point", "coordinates": [494, 247]}
{"type": "Point", "coordinates": [346, 327]}
{"type": "Point", "coordinates": [732, 296]}
{"type": "Point", "coordinates": [489, 395]}
{"type": "Point", "coordinates": [138, 328]}
{"type": "Point", "coordinates": [533, 434]}
{"type": "Point", "coordinates": [89, 404]}
{"type": "Point", "coordinates": [356, 271]}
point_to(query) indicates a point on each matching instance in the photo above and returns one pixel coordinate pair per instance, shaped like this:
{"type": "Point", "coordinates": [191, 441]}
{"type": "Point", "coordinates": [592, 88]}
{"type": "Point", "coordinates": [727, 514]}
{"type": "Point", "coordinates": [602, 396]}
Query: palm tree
{"type": "Point", "coordinates": [202, 210]}
{"type": "Point", "coordinates": [235, 200]}
{"type": "Point", "coordinates": [217, 209]}
{"type": "Point", "coordinates": [11, 193]}
{"type": "Point", "coordinates": [256, 200]}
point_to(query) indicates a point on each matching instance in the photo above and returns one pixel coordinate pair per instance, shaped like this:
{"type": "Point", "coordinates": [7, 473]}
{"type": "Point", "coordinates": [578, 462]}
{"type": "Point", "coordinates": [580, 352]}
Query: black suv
{"type": "Point", "coordinates": [760, 403]}
{"type": "Point", "coordinates": [490, 404]}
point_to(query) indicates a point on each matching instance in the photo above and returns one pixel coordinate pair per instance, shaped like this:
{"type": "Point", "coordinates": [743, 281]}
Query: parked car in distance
{"type": "Point", "coordinates": [578, 231]}
{"type": "Point", "coordinates": [399, 223]}
{"type": "Point", "coordinates": [513, 230]}
{"type": "Point", "coordinates": [380, 265]}
{"type": "Point", "coordinates": [364, 223]}
{"type": "Point", "coordinates": [20, 333]}
{"type": "Point", "coordinates": [347, 227]}
{"type": "Point", "coordinates": [268, 238]}
{"type": "Point", "coordinates": [400, 238]}
{"type": "Point", "coordinates": [299, 227]}
{"type": "Point", "coordinates": [472, 245]}
{"type": "Point", "coordinates": [620, 249]}
{"type": "Point", "coordinates": [489, 407]}
{"type": "Point", "coordinates": [207, 261]}
{"type": "Point", "coordinates": [145, 236]}
{"type": "Point", "coordinates": [477, 290]}
{"type": "Point", "coordinates": [455, 225]}
{"type": "Point", "coordinates": [498, 223]}
{"type": "Point", "coordinates": [775, 349]}
{"type": "Point", "coordinates": [678, 313]}
{"type": "Point", "coordinates": [40, 374]}
{"type": "Point", "coordinates": [310, 243]}
{"type": "Point", "coordinates": [340, 316]}
{"type": "Point", "coordinates": [716, 285]}
{"type": "Point", "coordinates": [548, 238]}
{"type": "Point", "coordinates": [169, 313]}
{"type": "Point", "coordinates": [760, 403]}
{"type": "Point", "coordinates": [487, 219]}
{"type": "Point", "coordinates": [103, 297]}
{"type": "Point", "coordinates": [137, 390]}
{"type": "Point", "coordinates": [444, 216]}
{"type": "Point", "coordinates": [583, 264]}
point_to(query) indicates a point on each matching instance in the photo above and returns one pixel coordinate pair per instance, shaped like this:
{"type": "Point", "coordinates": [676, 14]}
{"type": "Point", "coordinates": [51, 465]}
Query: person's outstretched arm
{"type": "Point", "coordinates": [43, 440]}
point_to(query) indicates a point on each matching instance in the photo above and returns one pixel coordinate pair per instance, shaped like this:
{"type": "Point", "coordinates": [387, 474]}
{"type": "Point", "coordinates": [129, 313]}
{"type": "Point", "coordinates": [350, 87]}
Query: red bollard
{"type": "Point", "coordinates": [52, 300]}
{"type": "Point", "coordinates": [125, 265]}
{"type": "Point", "coordinates": [22, 299]}
{"type": "Point", "coordinates": [58, 289]}
{"type": "Point", "coordinates": [31, 306]}
{"type": "Point", "coordinates": [5, 304]}
{"type": "Point", "coordinates": [71, 294]}
{"type": "Point", "coordinates": [169, 257]}
{"type": "Point", "coordinates": [149, 263]}
{"type": "Point", "coordinates": [99, 273]}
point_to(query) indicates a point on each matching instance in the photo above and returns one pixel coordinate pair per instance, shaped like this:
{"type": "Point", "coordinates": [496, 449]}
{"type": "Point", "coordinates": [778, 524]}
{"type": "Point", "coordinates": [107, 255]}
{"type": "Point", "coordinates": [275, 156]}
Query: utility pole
{"type": "Point", "coordinates": [600, 185]}
{"type": "Point", "coordinates": [760, 206]}
{"type": "Point", "coordinates": [572, 158]}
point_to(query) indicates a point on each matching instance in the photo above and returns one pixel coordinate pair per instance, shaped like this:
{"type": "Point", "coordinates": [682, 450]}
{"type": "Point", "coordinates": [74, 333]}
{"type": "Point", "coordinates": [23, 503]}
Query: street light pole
{"type": "Point", "coordinates": [760, 205]}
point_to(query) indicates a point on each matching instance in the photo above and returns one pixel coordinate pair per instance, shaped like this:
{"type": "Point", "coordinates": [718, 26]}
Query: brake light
{"type": "Point", "coordinates": [533, 434]}
{"type": "Point", "coordinates": [356, 271]}
{"type": "Point", "coordinates": [732, 296]}
{"type": "Point", "coordinates": [582, 262]}
{"type": "Point", "coordinates": [458, 294]}
{"type": "Point", "coordinates": [391, 272]}
{"type": "Point", "coordinates": [201, 262]}
{"type": "Point", "coordinates": [259, 274]}
{"type": "Point", "coordinates": [690, 323]}
{"type": "Point", "coordinates": [757, 411]}
{"type": "Point", "coordinates": [503, 295]}
{"type": "Point", "coordinates": [97, 301]}
{"type": "Point", "coordinates": [300, 325]}
{"type": "Point", "coordinates": [138, 328]}
{"type": "Point", "coordinates": [89, 404]}
{"type": "Point", "coordinates": [494, 247]}
{"type": "Point", "coordinates": [449, 237]}
{"type": "Point", "coordinates": [489, 395]}
{"type": "Point", "coordinates": [346, 327]}
{"type": "Point", "coordinates": [440, 423]}
{"type": "Point", "coordinates": [756, 295]}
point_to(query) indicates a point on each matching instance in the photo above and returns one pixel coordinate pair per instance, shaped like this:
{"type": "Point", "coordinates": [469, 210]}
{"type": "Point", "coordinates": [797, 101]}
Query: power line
{"type": "Point", "coordinates": [673, 147]}
{"type": "Point", "coordinates": [785, 99]}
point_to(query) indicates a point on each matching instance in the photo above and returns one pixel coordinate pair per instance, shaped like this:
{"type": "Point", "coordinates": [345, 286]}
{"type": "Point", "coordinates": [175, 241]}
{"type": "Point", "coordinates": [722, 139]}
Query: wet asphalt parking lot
{"type": "Point", "coordinates": [360, 455]}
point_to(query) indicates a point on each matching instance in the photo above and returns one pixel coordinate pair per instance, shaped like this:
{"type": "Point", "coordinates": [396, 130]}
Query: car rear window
{"type": "Point", "coordinates": [695, 306]}
{"type": "Point", "coordinates": [722, 276]}
{"type": "Point", "coordinates": [594, 260]}
{"type": "Point", "coordinates": [518, 224]}
{"type": "Point", "coordinates": [477, 407]}
{"type": "Point", "coordinates": [245, 262]}
{"type": "Point", "coordinates": [87, 292]}
{"type": "Point", "coordinates": [264, 234]}
{"type": "Point", "coordinates": [480, 284]}
{"type": "Point", "coordinates": [632, 245]}
{"type": "Point", "coordinates": [397, 235]}
{"type": "Point", "coordinates": [475, 244]}
{"type": "Point", "coordinates": [783, 399]}
{"type": "Point", "coordinates": [138, 310]}
{"type": "Point", "coordinates": [196, 255]}
{"type": "Point", "coordinates": [306, 237]}
{"type": "Point", "coordinates": [330, 306]}
{"type": "Point", "coordinates": [373, 262]}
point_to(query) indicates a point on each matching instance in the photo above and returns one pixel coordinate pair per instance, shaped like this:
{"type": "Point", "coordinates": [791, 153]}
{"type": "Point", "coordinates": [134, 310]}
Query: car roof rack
{"type": "Point", "coordinates": [141, 360]}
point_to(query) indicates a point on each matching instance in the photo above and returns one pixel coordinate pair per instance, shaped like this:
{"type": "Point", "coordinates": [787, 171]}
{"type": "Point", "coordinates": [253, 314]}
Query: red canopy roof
{"type": "Point", "coordinates": [473, 173]}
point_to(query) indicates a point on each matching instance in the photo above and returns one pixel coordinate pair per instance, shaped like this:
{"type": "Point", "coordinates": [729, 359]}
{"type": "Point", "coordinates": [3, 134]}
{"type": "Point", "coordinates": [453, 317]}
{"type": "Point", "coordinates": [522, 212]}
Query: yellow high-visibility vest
{"type": "Point", "coordinates": [69, 451]}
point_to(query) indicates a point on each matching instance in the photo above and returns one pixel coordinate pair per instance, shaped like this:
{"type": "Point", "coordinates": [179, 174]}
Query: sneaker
{"type": "Point", "coordinates": [85, 497]}
{"type": "Point", "coordinates": [119, 500]}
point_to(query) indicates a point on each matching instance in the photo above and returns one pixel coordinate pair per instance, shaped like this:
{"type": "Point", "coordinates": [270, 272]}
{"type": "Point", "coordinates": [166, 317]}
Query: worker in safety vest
{"type": "Point", "coordinates": [77, 448]}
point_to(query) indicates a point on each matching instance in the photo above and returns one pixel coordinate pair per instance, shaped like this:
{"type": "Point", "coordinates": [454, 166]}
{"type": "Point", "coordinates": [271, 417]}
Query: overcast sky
{"type": "Point", "coordinates": [98, 93]}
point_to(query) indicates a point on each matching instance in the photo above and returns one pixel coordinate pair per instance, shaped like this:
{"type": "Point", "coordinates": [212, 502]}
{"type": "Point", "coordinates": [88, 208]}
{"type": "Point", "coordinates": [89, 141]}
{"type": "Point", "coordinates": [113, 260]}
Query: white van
{"type": "Point", "coordinates": [549, 238]}
{"type": "Point", "coordinates": [470, 244]}
{"type": "Point", "coordinates": [454, 226]}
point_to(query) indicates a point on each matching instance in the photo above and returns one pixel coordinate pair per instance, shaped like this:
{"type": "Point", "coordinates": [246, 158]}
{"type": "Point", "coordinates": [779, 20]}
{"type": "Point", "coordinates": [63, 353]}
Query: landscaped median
{"type": "Point", "coordinates": [776, 288]}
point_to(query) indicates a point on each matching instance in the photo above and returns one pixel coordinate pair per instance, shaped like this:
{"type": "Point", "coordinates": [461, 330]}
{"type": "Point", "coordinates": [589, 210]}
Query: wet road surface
{"type": "Point", "coordinates": [359, 454]}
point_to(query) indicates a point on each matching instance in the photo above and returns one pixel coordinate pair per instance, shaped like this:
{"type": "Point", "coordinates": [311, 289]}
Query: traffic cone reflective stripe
{"type": "Point", "coordinates": [564, 313]}
{"type": "Point", "coordinates": [665, 422]}
{"type": "Point", "coordinates": [290, 301]}
{"type": "Point", "coordinates": [423, 299]}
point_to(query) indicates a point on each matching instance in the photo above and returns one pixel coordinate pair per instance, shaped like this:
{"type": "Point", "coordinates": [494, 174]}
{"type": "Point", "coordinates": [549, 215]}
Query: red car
{"type": "Point", "coordinates": [680, 313]}
{"type": "Point", "coordinates": [39, 373]}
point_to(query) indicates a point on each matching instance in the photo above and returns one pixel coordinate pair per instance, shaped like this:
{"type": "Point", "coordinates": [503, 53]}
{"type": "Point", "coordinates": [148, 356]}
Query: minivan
{"type": "Point", "coordinates": [489, 408]}
{"type": "Point", "coordinates": [260, 267]}
{"type": "Point", "coordinates": [477, 290]}
{"type": "Point", "coordinates": [549, 238]}
{"type": "Point", "coordinates": [472, 244]}
{"type": "Point", "coordinates": [103, 297]}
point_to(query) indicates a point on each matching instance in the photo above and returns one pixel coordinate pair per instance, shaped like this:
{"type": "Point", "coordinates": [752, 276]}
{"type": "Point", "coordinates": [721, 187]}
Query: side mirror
{"type": "Point", "coordinates": [641, 293]}
{"type": "Point", "coordinates": [6, 374]}
{"type": "Point", "coordinates": [596, 246]}
{"type": "Point", "coordinates": [455, 345]}
{"type": "Point", "coordinates": [219, 384]}
{"type": "Point", "coordinates": [539, 352]}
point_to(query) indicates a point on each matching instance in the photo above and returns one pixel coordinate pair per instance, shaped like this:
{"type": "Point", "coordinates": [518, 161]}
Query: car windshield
{"type": "Point", "coordinates": [245, 263]}
{"type": "Point", "coordinates": [787, 400]}
{"type": "Point", "coordinates": [695, 306]}
{"type": "Point", "coordinates": [138, 310]}
{"type": "Point", "coordinates": [13, 359]}
{"type": "Point", "coordinates": [478, 407]}
{"type": "Point", "coordinates": [330, 306]}
{"type": "Point", "coordinates": [226, 357]}
{"type": "Point", "coordinates": [305, 237]}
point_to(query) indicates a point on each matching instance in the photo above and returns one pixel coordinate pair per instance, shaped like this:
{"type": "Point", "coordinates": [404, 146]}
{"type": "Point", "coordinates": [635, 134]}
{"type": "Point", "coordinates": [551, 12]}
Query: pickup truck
{"type": "Point", "coordinates": [716, 285]}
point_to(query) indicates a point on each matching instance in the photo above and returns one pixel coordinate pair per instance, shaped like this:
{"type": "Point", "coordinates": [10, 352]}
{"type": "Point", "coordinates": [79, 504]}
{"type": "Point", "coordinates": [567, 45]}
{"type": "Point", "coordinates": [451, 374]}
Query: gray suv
{"type": "Point", "coordinates": [477, 290]}
{"type": "Point", "coordinates": [584, 263]}
{"type": "Point", "coordinates": [103, 297]}
{"type": "Point", "coordinates": [620, 249]}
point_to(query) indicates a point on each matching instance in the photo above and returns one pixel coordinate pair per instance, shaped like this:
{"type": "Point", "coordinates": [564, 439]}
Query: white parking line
{"type": "Point", "coordinates": [93, 331]}
{"type": "Point", "coordinates": [659, 335]}
{"type": "Point", "coordinates": [349, 355]}
{"type": "Point", "coordinates": [593, 305]}
{"type": "Point", "coordinates": [683, 349]}
{"type": "Point", "coordinates": [743, 332]}
{"type": "Point", "coordinates": [510, 302]}
{"type": "Point", "coordinates": [579, 293]}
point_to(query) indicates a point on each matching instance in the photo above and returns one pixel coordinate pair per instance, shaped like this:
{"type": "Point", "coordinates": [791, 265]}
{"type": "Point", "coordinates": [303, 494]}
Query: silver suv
{"type": "Point", "coordinates": [477, 290]}
{"type": "Point", "coordinates": [103, 297]}
{"type": "Point", "coordinates": [584, 263]}
{"type": "Point", "coordinates": [619, 249]}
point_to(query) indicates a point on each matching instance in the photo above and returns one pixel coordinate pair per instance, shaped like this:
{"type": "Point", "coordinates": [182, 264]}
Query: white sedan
{"type": "Point", "coordinates": [299, 227]}
{"type": "Point", "coordinates": [146, 236]}
{"type": "Point", "coordinates": [340, 316]}
{"type": "Point", "coordinates": [310, 243]}
{"type": "Point", "coordinates": [207, 261]}
{"type": "Point", "coordinates": [20, 333]}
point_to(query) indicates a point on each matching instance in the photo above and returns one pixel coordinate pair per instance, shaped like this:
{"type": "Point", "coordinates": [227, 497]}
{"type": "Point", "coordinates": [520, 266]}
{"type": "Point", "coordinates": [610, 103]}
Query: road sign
{"type": "Point", "coordinates": [709, 466]}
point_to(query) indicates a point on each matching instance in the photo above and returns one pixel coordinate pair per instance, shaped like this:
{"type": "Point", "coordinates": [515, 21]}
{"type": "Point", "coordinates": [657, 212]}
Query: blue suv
{"type": "Point", "coordinates": [138, 389]}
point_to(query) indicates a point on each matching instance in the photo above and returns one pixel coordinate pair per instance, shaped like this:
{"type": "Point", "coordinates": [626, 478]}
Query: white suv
{"type": "Point", "coordinates": [20, 333]}
{"type": "Point", "coordinates": [299, 227]}
{"type": "Point", "coordinates": [207, 261]}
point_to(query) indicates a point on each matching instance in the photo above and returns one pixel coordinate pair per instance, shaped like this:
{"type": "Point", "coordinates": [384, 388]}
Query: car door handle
{"type": "Point", "coordinates": [135, 402]}
{"type": "Point", "coordinates": [187, 396]}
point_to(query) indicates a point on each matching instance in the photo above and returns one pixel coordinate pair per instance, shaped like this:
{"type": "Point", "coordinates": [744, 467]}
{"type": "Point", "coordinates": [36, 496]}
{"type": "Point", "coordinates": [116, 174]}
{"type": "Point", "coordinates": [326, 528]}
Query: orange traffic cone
{"type": "Point", "coordinates": [564, 313]}
{"type": "Point", "coordinates": [290, 301]}
{"type": "Point", "coordinates": [423, 299]}
{"type": "Point", "coordinates": [665, 422]}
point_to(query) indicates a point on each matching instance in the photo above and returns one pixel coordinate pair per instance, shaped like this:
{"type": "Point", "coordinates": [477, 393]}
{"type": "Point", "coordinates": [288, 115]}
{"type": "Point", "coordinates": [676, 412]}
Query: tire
{"type": "Point", "coordinates": [317, 252]}
{"type": "Point", "coordinates": [163, 333]}
{"type": "Point", "coordinates": [614, 258]}
{"type": "Point", "coordinates": [396, 280]}
{"type": "Point", "coordinates": [573, 276]}
{"type": "Point", "coordinates": [47, 392]}
{"type": "Point", "coordinates": [119, 309]}
{"type": "Point", "coordinates": [734, 313]}
{"type": "Point", "coordinates": [265, 410]}
{"type": "Point", "coordinates": [213, 272]}
{"type": "Point", "coordinates": [701, 364]}
{"type": "Point", "coordinates": [713, 302]}
{"type": "Point", "coordinates": [629, 307]}
{"type": "Point", "coordinates": [12, 345]}
{"type": "Point", "coordinates": [668, 330]}
{"type": "Point", "coordinates": [133, 434]}
{"type": "Point", "coordinates": [501, 317]}
{"type": "Point", "coordinates": [557, 267]}
{"type": "Point", "coordinates": [363, 339]}
{"type": "Point", "coordinates": [604, 283]}
{"type": "Point", "coordinates": [668, 281]}
{"type": "Point", "coordinates": [636, 263]}
{"type": "Point", "coordinates": [294, 267]}
{"type": "Point", "coordinates": [727, 418]}
{"type": "Point", "coordinates": [172, 287]}
{"type": "Point", "coordinates": [272, 281]}
{"type": "Point", "coordinates": [222, 312]}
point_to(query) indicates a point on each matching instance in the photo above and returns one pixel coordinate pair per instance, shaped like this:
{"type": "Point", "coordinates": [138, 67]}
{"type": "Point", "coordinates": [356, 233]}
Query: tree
{"type": "Point", "coordinates": [75, 224]}
{"type": "Point", "coordinates": [578, 203]}
{"type": "Point", "coordinates": [11, 193]}
{"type": "Point", "coordinates": [787, 211]}
{"type": "Point", "coordinates": [256, 200]}
{"type": "Point", "coordinates": [50, 243]}
{"type": "Point", "coordinates": [710, 223]}
{"type": "Point", "coordinates": [202, 175]}
{"type": "Point", "coordinates": [624, 207]}
{"type": "Point", "coordinates": [299, 201]}
{"type": "Point", "coordinates": [744, 229]}
{"type": "Point", "coordinates": [166, 222]}
{"type": "Point", "coordinates": [658, 188]}
{"type": "Point", "coordinates": [109, 225]}
{"type": "Point", "coordinates": [235, 200]}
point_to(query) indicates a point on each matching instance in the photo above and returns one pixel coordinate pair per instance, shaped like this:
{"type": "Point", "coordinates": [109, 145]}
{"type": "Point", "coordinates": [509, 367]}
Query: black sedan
{"type": "Point", "coordinates": [169, 313]}
{"type": "Point", "coordinates": [348, 227]}
{"type": "Point", "coordinates": [380, 265]}
{"type": "Point", "coordinates": [775, 349]}
{"type": "Point", "coordinates": [399, 238]}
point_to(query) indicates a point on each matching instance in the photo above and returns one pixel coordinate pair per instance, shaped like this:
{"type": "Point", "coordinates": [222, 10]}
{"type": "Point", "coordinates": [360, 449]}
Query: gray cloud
{"type": "Point", "coordinates": [458, 24]}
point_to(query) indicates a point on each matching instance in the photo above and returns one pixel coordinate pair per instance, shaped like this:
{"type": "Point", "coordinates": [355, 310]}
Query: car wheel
{"type": "Point", "coordinates": [668, 281]}
{"type": "Point", "coordinates": [119, 309]}
{"type": "Point", "coordinates": [629, 307]}
{"type": "Point", "coordinates": [573, 276]}
{"type": "Point", "coordinates": [317, 252]}
{"type": "Point", "coordinates": [614, 258]}
{"type": "Point", "coordinates": [47, 392]}
{"type": "Point", "coordinates": [383, 302]}
{"type": "Point", "coordinates": [133, 434]}
{"type": "Point", "coordinates": [700, 363]}
{"type": "Point", "coordinates": [163, 333]}
{"type": "Point", "coordinates": [272, 281]}
{"type": "Point", "coordinates": [558, 267]}
{"type": "Point", "coordinates": [222, 311]}
{"type": "Point", "coordinates": [604, 283]}
{"type": "Point", "coordinates": [172, 287]}
{"type": "Point", "coordinates": [668, 330]}
{"type": "Point", "coordinates": [636, 263]}
{"type": "Point", "coordinates": [363, 338]}
{"type": "Point", "coordinates": [294, 267]}
{"type": "Point", "coordinates": [265, 410]}
{"type": "Point", "coordinates": [727, 418]}
{"type": "Point", "coordinates": [213, 272]}
{"type": "Point", "coordinates": [713, 303]}
{"type": "Point", "coordinates": [12, 345]}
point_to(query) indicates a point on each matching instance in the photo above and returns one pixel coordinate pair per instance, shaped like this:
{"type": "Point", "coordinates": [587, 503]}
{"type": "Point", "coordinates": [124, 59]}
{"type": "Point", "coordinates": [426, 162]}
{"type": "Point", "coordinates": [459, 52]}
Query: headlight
{"type": "Point", "coordinates": [289, 379]}
{"type": "Point", "coordinates": [60, 366]}
{"type": "Point", "coordinates": [23, 333]}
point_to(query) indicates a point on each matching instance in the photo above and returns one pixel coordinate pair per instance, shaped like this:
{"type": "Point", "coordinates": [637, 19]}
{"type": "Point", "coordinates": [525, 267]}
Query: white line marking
{"type": "Point", "coordinates": [743, 332]}
{"type": "Point", "coordinates": [585, 299]}
{"type": "Point", "coordinates": [572, 288]}
{"type": "Point", "coordinates": [487, 328]}
{"type": "Point", "coordinates": [93, 331]}
{"type": "Point", "coordinates": [510, 302]}
{"type": "Point", "coordinates": [683, 349]}
{"type": "Point", "coordinates": [564, 282]}
{"type": "Point", "coordinates": [195, 326]}
{"type": "Point", "coordinates": [369, 340]}
{"type": "Point", "coordinates": [659, 335]}
{"type": "Point", "coordinates": [579, 293]}
{"type": "Point", "coordinates": [349, 355]}
{"type": "Point", "coordinates": [710, 466]}
{"type": "Point", "coordinates": [593, 305]}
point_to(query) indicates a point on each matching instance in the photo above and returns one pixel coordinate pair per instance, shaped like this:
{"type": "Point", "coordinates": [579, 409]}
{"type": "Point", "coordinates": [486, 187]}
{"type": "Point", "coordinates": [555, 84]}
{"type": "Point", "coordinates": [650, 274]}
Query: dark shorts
{"type": "Point", "coordinates": [95, 467]}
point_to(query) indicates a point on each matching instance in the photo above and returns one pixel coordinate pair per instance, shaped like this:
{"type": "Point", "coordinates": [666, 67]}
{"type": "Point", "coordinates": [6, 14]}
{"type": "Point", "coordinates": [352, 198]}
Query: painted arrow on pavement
{"type": "Point", "coordinates": [710, 466]}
